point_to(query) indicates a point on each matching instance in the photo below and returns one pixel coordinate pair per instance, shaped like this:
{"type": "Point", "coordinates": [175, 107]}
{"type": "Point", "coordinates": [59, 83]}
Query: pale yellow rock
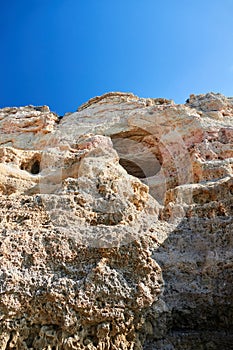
{"type": "Point", "coordinates": [116, 225]}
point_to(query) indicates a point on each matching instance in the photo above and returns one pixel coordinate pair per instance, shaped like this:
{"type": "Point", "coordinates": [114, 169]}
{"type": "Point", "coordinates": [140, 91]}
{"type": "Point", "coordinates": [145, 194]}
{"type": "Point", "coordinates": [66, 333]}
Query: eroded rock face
{"type": "Point", "coordinates": [116, 225]}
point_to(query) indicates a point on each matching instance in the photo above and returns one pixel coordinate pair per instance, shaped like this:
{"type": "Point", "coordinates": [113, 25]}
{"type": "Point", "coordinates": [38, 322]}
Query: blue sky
{"type": "Point", "coordinates": [63, 52]}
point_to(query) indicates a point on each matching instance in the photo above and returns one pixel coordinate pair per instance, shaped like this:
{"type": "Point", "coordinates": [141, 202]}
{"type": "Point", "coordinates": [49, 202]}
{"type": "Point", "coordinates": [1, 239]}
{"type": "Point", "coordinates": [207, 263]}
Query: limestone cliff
{"type": "Point", "coordinates": [116, 225]}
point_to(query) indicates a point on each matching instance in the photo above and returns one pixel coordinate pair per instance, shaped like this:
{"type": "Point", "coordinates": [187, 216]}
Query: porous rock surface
{"type": "Point", "coordinates": [116, 225]}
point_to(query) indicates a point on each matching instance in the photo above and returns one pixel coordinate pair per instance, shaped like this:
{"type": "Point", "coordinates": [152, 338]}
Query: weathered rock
{"type": "Point", "coordinates": [116, 225]}
{"type": "Point", "coordinates": [23, 127]}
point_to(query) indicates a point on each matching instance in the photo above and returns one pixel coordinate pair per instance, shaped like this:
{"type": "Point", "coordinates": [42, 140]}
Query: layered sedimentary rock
{"type": "Point", "coordinates": [116, 225]}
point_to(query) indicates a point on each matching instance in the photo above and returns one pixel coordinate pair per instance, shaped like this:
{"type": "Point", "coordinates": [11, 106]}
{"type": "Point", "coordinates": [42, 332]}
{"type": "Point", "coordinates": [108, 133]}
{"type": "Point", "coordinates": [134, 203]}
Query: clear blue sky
{"type": "Point", "coordinates": [63, 52]}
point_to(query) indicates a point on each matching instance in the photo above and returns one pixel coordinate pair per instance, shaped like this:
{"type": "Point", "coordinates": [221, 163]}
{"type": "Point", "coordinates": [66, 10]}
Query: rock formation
{"type": "Point", "coordinates": [116, 225]}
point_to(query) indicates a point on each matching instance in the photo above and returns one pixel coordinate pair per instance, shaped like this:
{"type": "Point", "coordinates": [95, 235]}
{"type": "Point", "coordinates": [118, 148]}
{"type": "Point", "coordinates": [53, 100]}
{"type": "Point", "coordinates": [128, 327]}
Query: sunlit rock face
{"type": "Point", "coordinates": [116, 225]}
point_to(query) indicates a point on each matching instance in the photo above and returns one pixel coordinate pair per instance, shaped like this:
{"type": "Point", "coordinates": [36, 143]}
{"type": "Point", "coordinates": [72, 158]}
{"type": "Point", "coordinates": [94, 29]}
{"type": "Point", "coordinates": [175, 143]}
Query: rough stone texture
{"type": "Point", "coordinates": [116, 225]}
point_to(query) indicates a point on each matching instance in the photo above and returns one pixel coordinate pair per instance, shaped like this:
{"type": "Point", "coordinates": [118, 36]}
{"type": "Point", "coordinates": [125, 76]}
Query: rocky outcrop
{"type": "Point", "coordinates": [116, 225]}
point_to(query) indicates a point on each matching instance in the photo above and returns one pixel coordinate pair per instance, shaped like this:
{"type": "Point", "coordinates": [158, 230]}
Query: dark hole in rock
{"type": "Point", "coordinates": [132, 168]}
{"type": "Point", "coordinates": [139, 153]}
{"type": "Point", "coordinates": [35, 168]}
{"type": "Point", "coordinates": [143, 168]}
